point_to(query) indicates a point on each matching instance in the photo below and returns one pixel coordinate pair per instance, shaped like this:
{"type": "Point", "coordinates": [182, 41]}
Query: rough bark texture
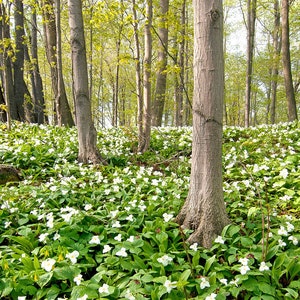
{"type": "Point", "coordinates": [161, 76]}
{"type": "Point", "coordinates": [286, 61]}
{"type": "Point", "coordinates": [204, 209]}
{"type": "Point", "coordinates": [87, 135]}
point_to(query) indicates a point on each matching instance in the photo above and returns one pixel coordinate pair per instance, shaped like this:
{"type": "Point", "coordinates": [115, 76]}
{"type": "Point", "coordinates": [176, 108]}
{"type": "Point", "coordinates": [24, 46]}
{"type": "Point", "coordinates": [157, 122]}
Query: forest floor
{"type": "Point", "coordinates": [72, 231]}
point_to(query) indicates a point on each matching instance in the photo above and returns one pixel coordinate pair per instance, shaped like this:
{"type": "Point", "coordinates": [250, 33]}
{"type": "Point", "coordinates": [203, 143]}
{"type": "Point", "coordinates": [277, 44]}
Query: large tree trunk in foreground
{"type": "Point", "coordinates": [87, 135]}
{"type": "Point", "coordinates": [204, 209]}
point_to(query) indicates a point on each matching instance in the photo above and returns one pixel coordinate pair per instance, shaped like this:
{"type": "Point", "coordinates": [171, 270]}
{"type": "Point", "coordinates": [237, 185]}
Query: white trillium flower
{"type": "Point", "coordinates": [106, 249]}
{"type": "Point", "coordinates": [169, 285]}
{"type": "Point", "coordinates": [282, 231]}
{"type": "Point", "coordinates": [219, 240]}
{"type": "Point", "coordinates": [95, 240]}
{"type": "Point", "coordinates": [244, 269]}
{"type": "Point", "coordinates": [48, 264]}
{"type": "Point", "coordinates": [43, 236]}
{"type": "Point", "coordinates": [194, 246]}
{"type": "Point", "coordinates": [104, 289]}
{"type": "Point", "coordinates": [118, 237]}
{"type": "Point", "coordinates": [122, 252]}
{"type": "Point", "coordinates": [73, 256]}
{"type": "Point", "coordinates": [165, 260]}
{"type": "Point", "coordinates": [263, 267]}
{"type": "Point", "coordinates": [204, 283]}
{"type": "Point", "coordinates": [129, 295]}
{"type": "Point", "coordinates": [167, 217]}
{"type": "Point", "coordinates": [211, 296]}
{"type": "Point", "coordinates": [281, 243]}
{"type": "Point", "coordinates": [244, 261]}
{"type": "Point", "coordinates": [284, 173]}
{"type": "Point", "coordinates": [116, 224]}
{"type": "Point", "coordinates": [293, 239]}
{"type": "Point", "coordinates": [78, 279]}
{"type": "Point", "coordinates": [224, 281]}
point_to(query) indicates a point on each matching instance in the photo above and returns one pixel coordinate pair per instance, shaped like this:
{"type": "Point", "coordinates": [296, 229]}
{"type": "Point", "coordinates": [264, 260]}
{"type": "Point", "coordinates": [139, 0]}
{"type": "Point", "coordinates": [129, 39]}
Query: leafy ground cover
{"type": "Point", "coordinates": [70, 231]}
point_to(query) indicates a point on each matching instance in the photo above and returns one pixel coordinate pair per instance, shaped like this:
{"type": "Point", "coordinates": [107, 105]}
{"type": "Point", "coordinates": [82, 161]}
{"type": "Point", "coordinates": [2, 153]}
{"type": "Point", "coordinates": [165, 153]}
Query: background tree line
{"type": "Point", "coordinates": [140, 62]}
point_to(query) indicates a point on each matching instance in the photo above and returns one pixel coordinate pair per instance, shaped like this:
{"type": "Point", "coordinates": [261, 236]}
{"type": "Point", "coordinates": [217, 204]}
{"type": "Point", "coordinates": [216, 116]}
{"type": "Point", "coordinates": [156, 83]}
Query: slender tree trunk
{"type": "Point", "coordinates": [50, 43]}
{"type": "Point", "coordinates": [204, 209]}
{"type": "Point", "coordinates": [37, 84]}
{"type": "Point", "coordinates": [64, 115]}
{"type": "Point", "coordinates": [144, 135]}
{"type": "Point", "coordinates": [181, 64]}
{"type": "Point", "coordinates": [161, 75]}
{"type": "Point", "coordinates": [275, 67]}
{"type": "Point", "coordinates": [87, 134]}
{"type": "Point", "coordinates": [18, 113]}
{"type": "Point", "coordinates": [6, 64]}
{"type": "Point", "coordinates": [138, 76]}
{"type": "Point", "coordinates": [251, 18]}
{"type": "Point", "coordinates": [286, 61]}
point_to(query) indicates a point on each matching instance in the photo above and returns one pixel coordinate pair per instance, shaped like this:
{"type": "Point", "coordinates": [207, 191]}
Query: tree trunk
{"type": "Point", "coordinates": [286, 61]}
{"type": "Point", "coordinates": [251, 18]}
{"type": "Point", "coordinates": [144, 109]}
{"type": "Point", "coordinates": [161, 75]}
{"type": "Point", "coordinates": [17, 109]}
{"type": "Point", "coordinates": [64, 115]}
{"type": "Point", "coordinates": [204, 209]}
{"type": "Point", "coordinates": [6, 64]}
{"type": "Point", "coordinates": [87, 135]}
{"type": "Point", "coordinates": [276, 54]}
{"type": "Point", "coordinates": [37, 84]}
{"type": "Point", "coordinates": [181, 64]}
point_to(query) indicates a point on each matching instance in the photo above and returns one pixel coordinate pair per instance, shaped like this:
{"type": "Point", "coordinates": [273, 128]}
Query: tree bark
{"type": "Point", "coordinates": [204, 209]}
{"type": "Point", "coordinates": [37, 84]}
{"type": "Point", "coordinates": [138, 77]}
{"type": "Point", "coordinates": [161, 75]}
{"type": "Point", "coordinates": [87, 135]}
{"type": "Point", "coordinates": [251, 18]}
{"type": "Point", "coordinates": [275, 66]}
{"type": "Point", "coordinates": [6, 64]}
{"type": "Point", "coordinates": [286, 61]}
{"type": "Point", "coordinates": [181, 64]}
{"type": "Point", "coordinates": [145, 129]}
{"type": "Point", "coordinates": [64, 115]}
{"type": "Point", "coordinates": [17, 109]}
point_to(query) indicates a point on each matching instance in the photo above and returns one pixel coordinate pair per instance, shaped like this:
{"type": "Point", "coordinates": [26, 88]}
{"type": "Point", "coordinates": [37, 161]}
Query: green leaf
{"type": "Point", "coordinates": [246, 242]}
{"type": "Point", "coordinates": [293, 269]}
{"type": "Point", "coordinates": [68, 272]}
{"type": "Point", "coordinates": [230, 230]}
{"type": "Point", "coordinates": [26, 244]}
{"type": "Point", "coordinates": [208, 264]}
{"type": "Point", "coordinates": [138, 262]}
{"type": "Point", "coordinates": [292, 293]}
{"type": "Point", "coordinates": [266, 288]}
{"type": "Point", "coordinates": [44, 279]}
{"type": "Point", "coordinates": [185, 275]}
